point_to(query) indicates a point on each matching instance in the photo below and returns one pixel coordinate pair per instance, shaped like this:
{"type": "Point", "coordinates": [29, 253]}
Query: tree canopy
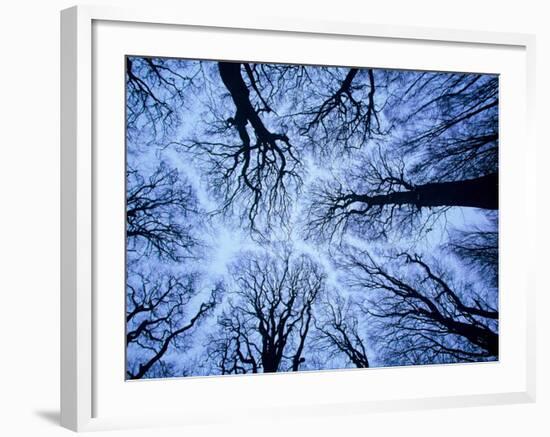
{"type": "Point", "coordinates": [295, 217]}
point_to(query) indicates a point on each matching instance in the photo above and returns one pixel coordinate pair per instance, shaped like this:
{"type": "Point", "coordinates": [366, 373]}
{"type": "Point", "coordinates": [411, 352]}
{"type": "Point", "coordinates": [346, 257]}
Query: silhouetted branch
{"type": "Point", "coordinates": [262, 166]}
{"type": "Point", "coordinates": [156, 317]}
{"type": "Point", "coordinates": [156, 209]}
{"type": "Point", "coordinates": [423, 316]}
{"type": "Point", "coordinates": [155, 91]}
{"type": "Point", "coordinates": [268, 321]}
{"type": "Point", "coordinates": [339, 331]}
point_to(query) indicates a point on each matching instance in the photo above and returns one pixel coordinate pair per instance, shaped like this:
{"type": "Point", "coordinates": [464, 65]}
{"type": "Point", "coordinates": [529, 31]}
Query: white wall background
{"type": "Point", "coordinates": [29, 215]}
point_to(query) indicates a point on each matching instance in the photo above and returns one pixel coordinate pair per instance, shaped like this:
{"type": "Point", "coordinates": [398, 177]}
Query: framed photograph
{"type": "Point", "coordinates": [334, 214]}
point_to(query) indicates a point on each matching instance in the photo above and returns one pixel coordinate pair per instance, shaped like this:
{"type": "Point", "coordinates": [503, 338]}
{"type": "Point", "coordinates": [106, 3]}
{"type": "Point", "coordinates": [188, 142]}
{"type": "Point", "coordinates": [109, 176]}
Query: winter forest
{"type": "Point", "coordinates": [289, 218]}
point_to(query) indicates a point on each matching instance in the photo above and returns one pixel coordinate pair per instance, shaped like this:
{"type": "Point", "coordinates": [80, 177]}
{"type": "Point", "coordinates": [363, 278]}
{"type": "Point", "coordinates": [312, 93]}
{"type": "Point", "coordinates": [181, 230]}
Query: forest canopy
{"type": "Point", "coordinates": [289, 217]}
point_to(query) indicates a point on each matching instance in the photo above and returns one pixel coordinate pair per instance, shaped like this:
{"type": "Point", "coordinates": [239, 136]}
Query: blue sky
{"type": "Point", "coordinates": [225, 237]}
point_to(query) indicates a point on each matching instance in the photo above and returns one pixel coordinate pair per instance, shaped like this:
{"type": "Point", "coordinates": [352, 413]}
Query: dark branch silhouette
{"type": "Point", "coordinates": [445, 157]}
{"type": "Point", "coordinates": [156, 210]}
{"type": "Point", "coordinates": [342, 115]}
{"type": "Point", "coordinates": [155, 92]}
{"type": "Point", "coordinates": [478, 250]}
{"type": "Point", "coordinates": [401, 165]}
{"type": "Point", "coordinates": [481, 192]}
{"type": "Point", "coordinates": [339, 110]}
{"type": "Point", "coordinates": [263, 165]}
{"type": "Point", "coordinates": [421, 315]}
{"type": "Point", "coordinates": [267, 323]}
{"type": "Point", "coordinates": [334, 208]}
{"type": "Point", "coordinates": [453, 125]}
{"type": "Point", "coordinates": [157, 318]}
{"type": "Point", "coordinates": [339, 331]}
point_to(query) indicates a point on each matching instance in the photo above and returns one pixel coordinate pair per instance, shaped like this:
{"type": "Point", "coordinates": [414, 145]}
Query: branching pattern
{"type": "Point", "coordinates": [156, 318]}
{"type": "Point", "coordinates": [156, 208]}
{"type": "Point", "coordinates": [423, 316]}
{"type": "Point", "coordinates": [269, 317]}
{"type": "Point", "coordinates": [339, 331]}
{"type": "Point", "coordinates": [284, 218]}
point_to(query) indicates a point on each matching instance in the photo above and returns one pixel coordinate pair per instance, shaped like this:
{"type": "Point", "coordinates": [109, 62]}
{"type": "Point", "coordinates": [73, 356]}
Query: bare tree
{"type": "Point", "coordinates": [478, 249]}
{"type": "Point", "coordinates": [339, 331]}
{"type": "Point", "coordinates": [443, 153]}
{"type": "Point", "coordinates": [268, 320]}
{"type": "Point", "coordinates": [393, 202]}
{"type": "Point", "coordinates": [339, 110]}
{"type": "Point", "coordinates": [368, 153]}
{"type": "Point", "coordinates": [452, 124]}
{"type": "Point", "coordinates": [157, 209]}
{"type": "Point", "coordinates": [250, 163]}
{"type": "Point", "coordinates": [155, 92]}
{"type": "Point", "coordinates": [158, 317]}
{"type": "Point", "coordinates": [420, 314]}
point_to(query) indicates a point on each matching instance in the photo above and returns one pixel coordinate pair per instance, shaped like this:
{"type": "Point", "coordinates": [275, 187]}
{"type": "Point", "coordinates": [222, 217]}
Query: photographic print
{"type": "Point", "coordinates": [284, 218]}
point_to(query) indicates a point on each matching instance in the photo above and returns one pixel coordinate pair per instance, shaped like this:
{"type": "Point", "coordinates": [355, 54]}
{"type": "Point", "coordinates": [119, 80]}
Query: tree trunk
{"type": "Point", "coordinates": [480, 192]}
{"type": "Point", "coordinates": [269, 365]}
{"type": "Point", "coordinates": [483, 338]}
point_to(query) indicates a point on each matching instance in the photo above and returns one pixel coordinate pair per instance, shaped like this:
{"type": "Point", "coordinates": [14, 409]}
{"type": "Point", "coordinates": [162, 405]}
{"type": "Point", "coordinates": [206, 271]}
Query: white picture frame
{"type": "Point", "coordinates": [89, 365]}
